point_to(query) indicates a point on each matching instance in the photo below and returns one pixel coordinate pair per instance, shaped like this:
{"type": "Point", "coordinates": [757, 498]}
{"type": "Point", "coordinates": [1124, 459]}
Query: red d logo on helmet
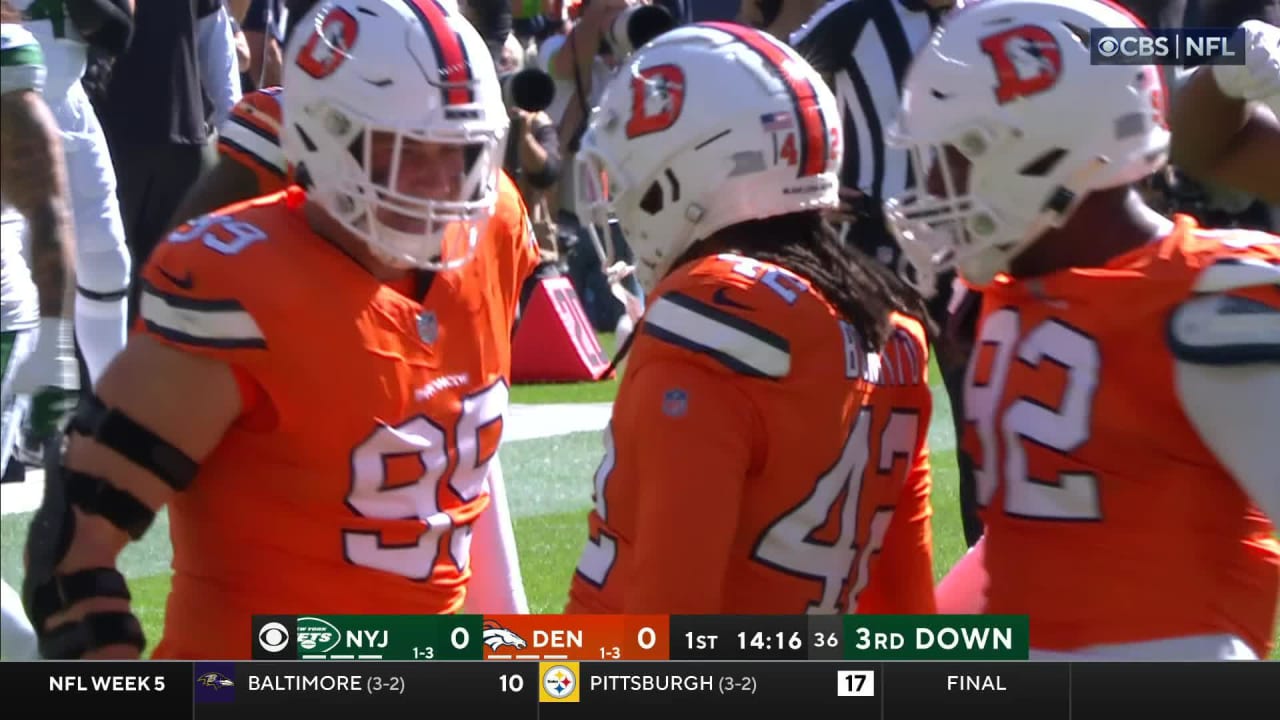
{"type": "Point", "coordinates": [1027, 59]}
{"type": "Point", "coordinates": [328, 47]}
{"type": "Point", "coordinates": [657, 97]}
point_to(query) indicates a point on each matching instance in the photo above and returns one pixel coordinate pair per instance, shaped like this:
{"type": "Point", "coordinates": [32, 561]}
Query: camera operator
{"type": "Point", "coordinates": [533, 148]}
{"type": "Point", "coordinates": [581, 63]}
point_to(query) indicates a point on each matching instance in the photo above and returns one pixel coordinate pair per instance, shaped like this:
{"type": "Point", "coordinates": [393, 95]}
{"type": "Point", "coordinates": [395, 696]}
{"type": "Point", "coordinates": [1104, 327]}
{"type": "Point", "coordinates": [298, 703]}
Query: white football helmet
{"type": "Point", "coordinates": [1008, 85]}
{"type": "Point", "coordinates": [393, 117]}
{"type": "Point", "coordinates": [707, 126]}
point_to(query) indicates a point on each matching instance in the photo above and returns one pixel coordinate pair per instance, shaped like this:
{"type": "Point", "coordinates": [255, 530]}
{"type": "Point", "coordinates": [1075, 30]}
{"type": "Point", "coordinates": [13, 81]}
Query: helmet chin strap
{"type": "Point", "coordinates": [615, 272]}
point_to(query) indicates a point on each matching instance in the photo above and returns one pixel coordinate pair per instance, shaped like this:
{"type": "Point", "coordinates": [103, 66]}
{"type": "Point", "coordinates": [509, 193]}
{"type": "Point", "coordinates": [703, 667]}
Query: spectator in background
{"type": "Point", "coordinates": [294, 11]}
{"type": "Point", "coordinates": [581, 62]}
{"type": "Point", "coordinates": [532, 156]}
{"type": "Point", "coordinates": [263, 27]}
{"type": "Point", "coordinates": [219, 64]}
{"type": "Point", "coordinates": [155, 113]}
{"type": "Point", "coordinates": [775, 17]}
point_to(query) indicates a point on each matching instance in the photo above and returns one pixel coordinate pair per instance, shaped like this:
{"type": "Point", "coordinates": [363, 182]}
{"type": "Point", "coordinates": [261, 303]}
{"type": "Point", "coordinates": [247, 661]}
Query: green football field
{"type": "Point", "coordinates": [549, 482]}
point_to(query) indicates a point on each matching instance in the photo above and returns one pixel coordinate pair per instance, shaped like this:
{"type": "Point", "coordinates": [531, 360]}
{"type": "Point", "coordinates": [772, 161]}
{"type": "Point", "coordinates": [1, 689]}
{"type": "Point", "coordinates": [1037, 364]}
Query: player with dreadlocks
{"type": "Point", "coordinates": [767, 448]}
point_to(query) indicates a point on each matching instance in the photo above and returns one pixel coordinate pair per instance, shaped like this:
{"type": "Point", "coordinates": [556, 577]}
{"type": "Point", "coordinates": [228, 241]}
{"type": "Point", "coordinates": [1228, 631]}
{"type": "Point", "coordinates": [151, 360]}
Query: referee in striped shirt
{"type": "Point", "coordinates": [863, 48]}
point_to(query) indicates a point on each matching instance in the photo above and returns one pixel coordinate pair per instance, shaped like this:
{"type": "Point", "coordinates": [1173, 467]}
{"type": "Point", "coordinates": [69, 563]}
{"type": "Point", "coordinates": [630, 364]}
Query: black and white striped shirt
{"type": "Point", "coordinates": [864, 47]}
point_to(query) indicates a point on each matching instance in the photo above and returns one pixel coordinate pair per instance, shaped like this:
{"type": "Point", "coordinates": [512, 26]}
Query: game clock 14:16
{"type": "Point", "coordinates": [770, 641]}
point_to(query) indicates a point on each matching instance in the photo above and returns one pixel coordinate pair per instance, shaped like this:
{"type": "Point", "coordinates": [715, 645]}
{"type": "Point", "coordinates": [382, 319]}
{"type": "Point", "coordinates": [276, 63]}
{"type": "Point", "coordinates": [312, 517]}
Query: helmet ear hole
{"type": "Point", "coordinates": [1043, 165]}
{"type": "Point", "coordinates": [654, 199]}
{"type": "Point", "coordinates": [356, 147]}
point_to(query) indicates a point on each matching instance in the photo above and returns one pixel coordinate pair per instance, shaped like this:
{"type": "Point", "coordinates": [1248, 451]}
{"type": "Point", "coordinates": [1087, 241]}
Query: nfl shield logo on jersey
{"type": "Point", "coordinates": [428, 327]}
{"type": "Point", "coordinates": [675, 403]}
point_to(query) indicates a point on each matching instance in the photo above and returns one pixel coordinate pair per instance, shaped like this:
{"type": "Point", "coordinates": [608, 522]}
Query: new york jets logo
{"type": "Point", "coordinates": [317, 635]}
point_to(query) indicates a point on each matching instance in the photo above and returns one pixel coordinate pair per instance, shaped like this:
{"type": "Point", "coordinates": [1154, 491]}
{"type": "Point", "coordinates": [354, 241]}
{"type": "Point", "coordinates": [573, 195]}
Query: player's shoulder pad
{"type": "Point", "coordinates": [731, 309]}
{"type": "Point", "coordinates": [253, 130]}
{"type": "Point", "coordinates": [203, 286]}
{"type": "Point", "coordinates": [22, 65]}
{"type": "Point", "coordinates": [1223, 323]}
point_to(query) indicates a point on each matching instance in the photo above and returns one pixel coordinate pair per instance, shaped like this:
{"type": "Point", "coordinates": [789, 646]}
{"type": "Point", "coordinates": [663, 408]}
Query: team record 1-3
{"type": "Point", "coordinates": [590, 638]}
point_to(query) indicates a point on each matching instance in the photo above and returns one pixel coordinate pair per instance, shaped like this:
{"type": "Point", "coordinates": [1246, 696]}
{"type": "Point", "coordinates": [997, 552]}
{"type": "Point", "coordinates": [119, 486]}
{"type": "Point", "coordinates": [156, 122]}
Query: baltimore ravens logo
{"type": "Point", "coordinates": [495, 636]}
{"type": "Point", "coordinates": [215, 680]}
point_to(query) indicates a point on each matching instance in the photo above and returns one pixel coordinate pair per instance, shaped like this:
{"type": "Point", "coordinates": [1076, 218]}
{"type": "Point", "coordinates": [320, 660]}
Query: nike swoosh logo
{"type": "Point", "coordinates": [185, 282]}
{"type": "Point", "coordinates": [721, 297]}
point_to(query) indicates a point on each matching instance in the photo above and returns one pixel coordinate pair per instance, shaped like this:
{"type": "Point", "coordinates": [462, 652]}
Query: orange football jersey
{"type": "Point", "coordinates": [1108, 519]}
{"type": "Point", "coordinates": [350, 482]}
{"type": "Point", "coordinates": [758, 460]}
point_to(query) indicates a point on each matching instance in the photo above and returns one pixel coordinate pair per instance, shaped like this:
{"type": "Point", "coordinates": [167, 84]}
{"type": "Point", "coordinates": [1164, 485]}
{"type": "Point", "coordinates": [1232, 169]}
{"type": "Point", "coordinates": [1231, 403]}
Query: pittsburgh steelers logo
{"type": "Point", "coordinates": [559, 681]}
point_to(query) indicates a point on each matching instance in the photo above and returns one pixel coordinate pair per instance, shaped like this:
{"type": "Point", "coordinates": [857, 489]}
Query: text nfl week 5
{"type": "Point", "coordinates": [106, 683]}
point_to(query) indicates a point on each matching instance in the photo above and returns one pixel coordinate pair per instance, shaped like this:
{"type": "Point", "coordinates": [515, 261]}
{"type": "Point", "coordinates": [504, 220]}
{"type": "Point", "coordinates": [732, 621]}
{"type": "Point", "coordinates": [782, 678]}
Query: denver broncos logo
{"type": "Point", "coordinates": [657, 97]}
{"type": "Point", "coordinates": [1027, 58]}
{"type": "Point", "coordinates": [495, 636]}
{"type": "Point", "coordinates": [330, 45]}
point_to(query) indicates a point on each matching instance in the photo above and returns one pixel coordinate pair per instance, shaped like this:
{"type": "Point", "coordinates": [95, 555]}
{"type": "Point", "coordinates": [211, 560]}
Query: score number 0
{"type": "Point", "coordinates": [856, 683]}
{"type": "Point", "coordinates": [646, 638]}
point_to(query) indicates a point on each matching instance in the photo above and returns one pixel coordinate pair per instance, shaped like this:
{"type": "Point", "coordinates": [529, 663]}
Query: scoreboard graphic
{"type": "Point", "coordinates": [610, 667]}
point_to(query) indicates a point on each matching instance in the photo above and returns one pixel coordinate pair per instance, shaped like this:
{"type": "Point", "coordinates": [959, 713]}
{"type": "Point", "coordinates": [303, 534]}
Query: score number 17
{"type": "Point", "coordinates": [856, 683]}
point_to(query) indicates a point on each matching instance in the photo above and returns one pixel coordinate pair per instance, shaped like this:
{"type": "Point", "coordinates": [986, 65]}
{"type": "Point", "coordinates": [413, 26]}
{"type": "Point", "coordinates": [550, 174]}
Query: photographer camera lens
{"type": "Point", "coordinates": [530, 89]}
{"type": "Point", "coordinates": [634, 27]}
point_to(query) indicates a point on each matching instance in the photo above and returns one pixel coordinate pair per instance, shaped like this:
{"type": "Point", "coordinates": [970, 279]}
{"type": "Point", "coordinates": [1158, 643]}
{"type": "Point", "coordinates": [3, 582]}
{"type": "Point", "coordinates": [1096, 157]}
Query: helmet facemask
{"type": "Point", "coordinates": [600, 187]}
{"type": "Point", "coordinates": [418, 199]}
{"type": "Point", "coordinates": [951, 220]}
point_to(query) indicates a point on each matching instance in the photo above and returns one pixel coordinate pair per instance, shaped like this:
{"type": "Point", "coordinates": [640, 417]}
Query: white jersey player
{"type": "Point", "coordinates": [35, 223]}
{"type": "Point", "coordinates": [102, 258]}
{"type": "Point", "coordinates": [19, 311]}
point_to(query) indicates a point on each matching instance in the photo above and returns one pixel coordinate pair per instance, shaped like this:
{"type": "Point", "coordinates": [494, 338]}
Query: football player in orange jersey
{"type": "Point", "coordinates": [767, 450]}
{"type": "Point", "coordinates": [318, 385]}
{"type": "Point", "coordinates": [251, 163]}
{"type": "Point", "coordinates": [1121, 398]}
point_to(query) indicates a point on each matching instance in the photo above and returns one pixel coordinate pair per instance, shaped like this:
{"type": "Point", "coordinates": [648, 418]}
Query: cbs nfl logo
{"type": "Point", "coordinates": [1166, 46]}
{"type": "Point", "coordinates": [559, 682]}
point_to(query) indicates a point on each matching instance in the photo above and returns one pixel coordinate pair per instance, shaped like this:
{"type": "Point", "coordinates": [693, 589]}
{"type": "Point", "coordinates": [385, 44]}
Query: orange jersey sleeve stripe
{"type": "Point", "coordinates": [736, 343]}
{"type": "Point", "coordinates": [252, 134]}
{"type": "Point", "coordinates": [182, 320]}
